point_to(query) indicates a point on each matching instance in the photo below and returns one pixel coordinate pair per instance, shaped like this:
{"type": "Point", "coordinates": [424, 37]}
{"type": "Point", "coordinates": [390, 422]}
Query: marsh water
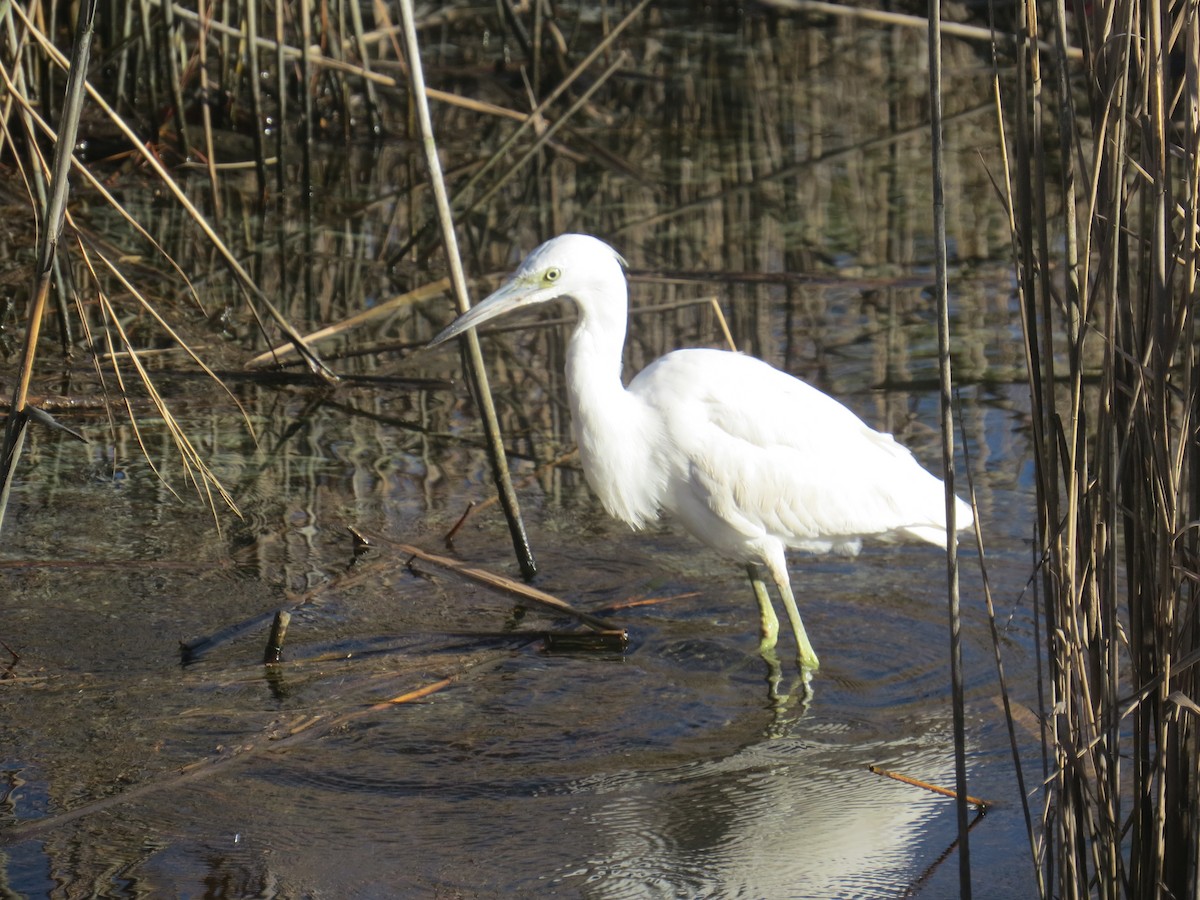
{"type": "Point", "coordinates": [779, 166]}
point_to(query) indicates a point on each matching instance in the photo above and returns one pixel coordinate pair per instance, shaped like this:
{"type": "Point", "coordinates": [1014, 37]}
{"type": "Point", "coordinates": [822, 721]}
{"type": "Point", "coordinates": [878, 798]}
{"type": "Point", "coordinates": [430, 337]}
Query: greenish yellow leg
{"type": "Point", "coordinates": [769, 625]}
{"type": "Point", "coordinates": [768, 621]}
{"type": "Point", "coordinates": [805, 655]}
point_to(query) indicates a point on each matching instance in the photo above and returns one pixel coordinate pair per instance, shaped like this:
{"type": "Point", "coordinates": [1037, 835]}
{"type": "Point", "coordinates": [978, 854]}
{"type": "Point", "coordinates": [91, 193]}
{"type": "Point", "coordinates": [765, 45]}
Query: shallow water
{"type": "Point", "coordinates": [134, 769]}
{"type": "Point", "coordinates": [664, 771]}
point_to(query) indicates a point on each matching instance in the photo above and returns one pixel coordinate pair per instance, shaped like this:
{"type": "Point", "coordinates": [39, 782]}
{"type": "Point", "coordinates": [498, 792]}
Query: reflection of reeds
{"type": "Point", "coordinates": [793, 151]}
{"type": "Point", "coordinates": [1107, 266]}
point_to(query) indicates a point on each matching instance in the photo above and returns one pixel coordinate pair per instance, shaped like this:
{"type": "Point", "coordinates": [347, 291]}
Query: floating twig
{"type": "Point", "coordinates": [633, 602]}
{"type": "Point", "coordinates": [589, 642]}
{"type": "Point", "coordinates": [500, 582]}
{"type": "Point", "coordinates": [982, 805]}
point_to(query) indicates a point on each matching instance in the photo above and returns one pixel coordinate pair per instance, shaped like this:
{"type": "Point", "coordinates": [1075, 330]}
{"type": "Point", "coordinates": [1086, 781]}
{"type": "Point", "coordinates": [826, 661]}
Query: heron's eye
{"type": "Point", "coordinates": [553, 273]}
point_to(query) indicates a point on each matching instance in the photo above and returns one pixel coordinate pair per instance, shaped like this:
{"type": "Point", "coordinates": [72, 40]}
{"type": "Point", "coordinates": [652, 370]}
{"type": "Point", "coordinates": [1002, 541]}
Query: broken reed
{"type": "Point", "coordinates": [1104, 189]}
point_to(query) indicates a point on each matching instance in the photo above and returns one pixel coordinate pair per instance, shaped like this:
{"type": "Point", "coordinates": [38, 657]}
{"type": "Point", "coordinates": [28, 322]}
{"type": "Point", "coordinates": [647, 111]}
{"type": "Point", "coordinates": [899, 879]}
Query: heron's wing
{"type": "Point", "coordinates": [769, 454]}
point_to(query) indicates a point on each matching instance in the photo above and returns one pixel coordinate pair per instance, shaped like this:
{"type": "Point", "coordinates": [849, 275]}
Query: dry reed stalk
{"type": "Point", "coordinates": [192, 462]}
{"type": "Point", "coordinates": [206, 99]}
{"type": "Point", "coordinates": [53, 215]}
{"type": "Point", "coordinates": [386, 307]}
{"type": "Point", "coordinates": [946, 405]}
{"type": "Point", "coordinates": [494, 580]}
{"type": "Point", "coordinates": [1118, 466]}
{"type": "Point", "coordinates": [458, 280]}
{"type": "Point", "coordinates": [901, 20]}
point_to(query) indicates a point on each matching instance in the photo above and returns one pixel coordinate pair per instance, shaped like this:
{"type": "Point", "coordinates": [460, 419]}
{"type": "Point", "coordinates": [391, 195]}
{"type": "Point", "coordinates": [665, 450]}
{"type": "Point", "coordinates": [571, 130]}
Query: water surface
{"type": "Point", "coordinates": [782, 147]}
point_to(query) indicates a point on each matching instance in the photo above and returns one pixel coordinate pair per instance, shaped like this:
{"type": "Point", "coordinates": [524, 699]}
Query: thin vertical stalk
{"type": "Point", "coordinates": [150, 56]}
{"type": "Point", "coordinates": [280, 120]}
{"type": "Point", "coordinates": [364, 59]}
{"type": "Point", "coordinates": [306, 150]}
{"type": "Point", "coordinates": [508, 496]}
{"type": "Point", "coordinates": [210, 152]}
{"type": "Point", "coordinates": [126, 50]}
{"type": "Point", "coordinates": [260, 151]}
{"type": "Point", "coordinates": [947, 421]}
{"type": "Point", "coordinates": [1004, 692]}
{"type": "Point", "coordinates": [173, 44]}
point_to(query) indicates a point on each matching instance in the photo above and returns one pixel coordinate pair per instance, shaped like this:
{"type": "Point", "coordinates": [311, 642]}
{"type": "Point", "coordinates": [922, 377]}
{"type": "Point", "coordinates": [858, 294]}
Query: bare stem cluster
{"type": "Point", "coordinates": [1103, 187]}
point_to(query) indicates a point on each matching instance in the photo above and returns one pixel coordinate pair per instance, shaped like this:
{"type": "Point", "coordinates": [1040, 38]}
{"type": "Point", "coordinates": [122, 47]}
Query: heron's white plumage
{"type": "Point", "coordinates": [748, 458]}
{"type": "Point", "coordinates": [754, 453]}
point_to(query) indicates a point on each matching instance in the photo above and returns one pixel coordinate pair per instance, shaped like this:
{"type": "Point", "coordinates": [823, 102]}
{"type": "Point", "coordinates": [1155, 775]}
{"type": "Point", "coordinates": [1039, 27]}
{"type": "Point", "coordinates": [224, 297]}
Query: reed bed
{"type": "Point", "coordinates": [1103, 192]}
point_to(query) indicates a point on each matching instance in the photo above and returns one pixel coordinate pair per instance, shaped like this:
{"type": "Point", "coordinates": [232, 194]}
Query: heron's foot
{"type": "Point", "coordinates": [806, 658]}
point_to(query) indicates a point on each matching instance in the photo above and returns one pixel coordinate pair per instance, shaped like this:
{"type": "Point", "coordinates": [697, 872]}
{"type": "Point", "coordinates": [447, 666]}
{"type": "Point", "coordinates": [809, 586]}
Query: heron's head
{"type": "Point", "coordinates": [578, 266]}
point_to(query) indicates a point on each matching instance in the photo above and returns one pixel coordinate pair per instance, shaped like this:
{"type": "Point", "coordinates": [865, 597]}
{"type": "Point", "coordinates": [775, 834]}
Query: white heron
{"type": "Point", "coordinates": [750, 460]}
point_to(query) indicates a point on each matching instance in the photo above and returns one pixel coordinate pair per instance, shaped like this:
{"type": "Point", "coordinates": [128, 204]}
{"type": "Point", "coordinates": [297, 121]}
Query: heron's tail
{"type": "Point", "coordinates": [936, 534]}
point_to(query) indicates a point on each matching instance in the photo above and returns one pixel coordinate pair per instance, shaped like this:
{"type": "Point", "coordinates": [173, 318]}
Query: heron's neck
{"type": "Point", "coordinates": [595, 349]}
{"type": "Point", "coordinates": [613, 427]}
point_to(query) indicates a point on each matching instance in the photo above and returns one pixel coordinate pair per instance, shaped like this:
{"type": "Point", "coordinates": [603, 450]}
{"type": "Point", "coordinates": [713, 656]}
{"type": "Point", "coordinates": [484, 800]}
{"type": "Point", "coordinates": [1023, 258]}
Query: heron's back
{"type": "Point", "coordinates": [753, 453]}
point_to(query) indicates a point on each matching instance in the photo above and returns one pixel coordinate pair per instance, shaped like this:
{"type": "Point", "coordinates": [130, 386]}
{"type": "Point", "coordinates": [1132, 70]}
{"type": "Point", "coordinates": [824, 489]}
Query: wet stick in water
{"type": "Point", "coordinates": [916, 782]}
{"type": "Point", "coordinates": [495, 580]}
{"type": "Point", "coordinates": [279, 627]}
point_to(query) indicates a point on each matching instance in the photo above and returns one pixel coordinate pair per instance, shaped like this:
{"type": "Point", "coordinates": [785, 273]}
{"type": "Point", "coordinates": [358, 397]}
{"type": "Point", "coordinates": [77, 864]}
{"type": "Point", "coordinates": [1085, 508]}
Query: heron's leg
{"type": "Point", "coordinates": [768, 621]}
{"type": "Point", "coordinates": [805, 655]}
{"type": "Point", "coordinates": [769, 624]}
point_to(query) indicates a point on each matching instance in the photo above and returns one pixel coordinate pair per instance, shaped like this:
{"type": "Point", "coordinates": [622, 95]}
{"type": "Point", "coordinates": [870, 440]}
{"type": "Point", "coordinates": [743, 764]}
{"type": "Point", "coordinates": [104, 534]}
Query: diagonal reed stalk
{"type": "Point", "coordinates": [51, 228]}
{"type": "Point", "coordinates": [458, 280]}
{"type": "Point", "coordinates": [1106, 263]}
{"type": "Point", "coordinates": [245, 281]}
